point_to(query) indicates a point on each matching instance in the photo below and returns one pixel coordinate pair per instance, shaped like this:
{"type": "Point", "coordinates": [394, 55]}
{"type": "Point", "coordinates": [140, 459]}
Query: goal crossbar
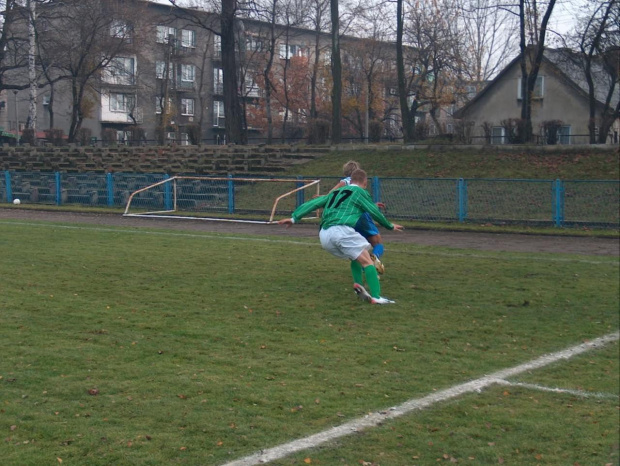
{"type": "Point", "coordinates": [168, 213]}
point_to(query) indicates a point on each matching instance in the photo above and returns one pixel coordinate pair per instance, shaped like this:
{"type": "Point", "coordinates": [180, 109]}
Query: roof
{"type": "Point", "coordinates": [571, 65]}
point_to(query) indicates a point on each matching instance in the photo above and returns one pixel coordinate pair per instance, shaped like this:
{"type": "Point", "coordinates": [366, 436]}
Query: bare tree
{"type": "Point", "coordinates": [531, 56]}
{"type": "Point", "coordinates": [598, 39]}
{"type": "Point", "coordinates": [486, 38]}
{"type": "Point", "coordinates": [83, 41]}
{"type": "Point", "coordinates": [336, 73]}
{"type": "Point", "coordinates": [228, 25]}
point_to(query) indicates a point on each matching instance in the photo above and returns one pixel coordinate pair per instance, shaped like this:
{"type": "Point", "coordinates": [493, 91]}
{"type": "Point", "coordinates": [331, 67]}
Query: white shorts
{"type": "Point", "coordinates": [343, 241]}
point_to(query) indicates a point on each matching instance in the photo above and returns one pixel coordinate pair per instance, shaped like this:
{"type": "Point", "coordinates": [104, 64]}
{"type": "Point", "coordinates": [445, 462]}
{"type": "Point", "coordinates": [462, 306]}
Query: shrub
{"type": "Point", "coordinates": [550, 130]}
{"type": "Point", "coordinates": [55, 136]}
{"type": "Point", "coordinates": [375, 131]}
{"type": "Point", "coordinates": [108, 136]}
{"type": "Point", "coordinates": [318, 131]}
{"type": "Point", "coordinates": [84, 135]}
{"type": "Point", "coordinates": [28, 136]}
{"type": "Point", "coordinates": [514, 130]}
{"type": "Point", "coordinates": [194, 133]}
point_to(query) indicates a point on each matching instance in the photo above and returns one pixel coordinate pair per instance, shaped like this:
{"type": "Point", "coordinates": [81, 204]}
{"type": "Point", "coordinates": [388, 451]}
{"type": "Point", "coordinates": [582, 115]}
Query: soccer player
{"type": "Point", "coordinates": [342, 209]}
{"type": "Point", "coordinates": [365, 226]}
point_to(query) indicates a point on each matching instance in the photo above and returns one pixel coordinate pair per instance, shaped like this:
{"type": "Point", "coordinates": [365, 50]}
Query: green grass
{"type": "Point", "coordinates": [573, 164]}
{"type": "Point", "coordinates": [204, 348]}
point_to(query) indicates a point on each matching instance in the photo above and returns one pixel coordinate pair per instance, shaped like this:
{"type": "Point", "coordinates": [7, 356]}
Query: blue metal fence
{"type": "Point", "coordinates": [538, 202]}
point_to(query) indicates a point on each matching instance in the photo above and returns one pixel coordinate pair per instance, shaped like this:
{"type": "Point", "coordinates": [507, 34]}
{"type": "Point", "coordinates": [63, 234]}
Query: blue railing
{"type": "Point", "coordinates": [510, 201]}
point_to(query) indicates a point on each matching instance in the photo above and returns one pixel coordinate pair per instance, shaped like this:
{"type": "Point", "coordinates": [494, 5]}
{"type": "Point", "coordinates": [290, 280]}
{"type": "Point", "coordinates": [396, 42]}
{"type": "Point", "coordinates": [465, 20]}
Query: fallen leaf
{"type": "Point", "coordinates": [59, 460]}
{"type": "Point", "coordinates": [307, 461]}
{"type": "Point", "coordinates": [13, 427]}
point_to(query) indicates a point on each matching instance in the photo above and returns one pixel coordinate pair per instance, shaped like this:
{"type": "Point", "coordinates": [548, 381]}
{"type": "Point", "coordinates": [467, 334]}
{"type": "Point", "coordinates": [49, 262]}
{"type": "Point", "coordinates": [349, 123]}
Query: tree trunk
{"type": "Point", "coordinates": [408, 121]}
{"type": "Point", "coordinates": [232, 106]}
{"type": "Point", "coordinates": [336, 74]}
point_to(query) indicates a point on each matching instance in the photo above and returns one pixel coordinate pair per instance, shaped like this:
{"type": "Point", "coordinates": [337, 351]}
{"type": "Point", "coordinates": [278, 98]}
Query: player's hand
{"type": "Point", "coordinates": [398, 227]}
{"type": "Point", "coordinates": [287, 222]}
{"type": "Point", "coordinates": [381, 205]}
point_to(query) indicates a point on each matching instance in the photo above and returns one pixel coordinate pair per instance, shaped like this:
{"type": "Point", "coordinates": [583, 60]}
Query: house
{"type": "Point", "coordinates": [560, 104]}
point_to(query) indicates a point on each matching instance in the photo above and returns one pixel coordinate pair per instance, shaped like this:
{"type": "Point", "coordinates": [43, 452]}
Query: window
{"type": "Point", "coordinates": [122, 102]}
{"type": "Point", "coordinates": [564, 135]}
{"type": "Point", "coordinates": [188, 73]}
{"type": "Point", "coordinates": [291, 50]}
{"type": "Point", "coordinates": [164, 32]}
{"type": "Point", "coordinates": [120, 70]}
{"type": "Point", "coordinates": [218, 80]}
{"type": "Point", "coordinates": [188, 38]}
{"type": "Point", "coordinates": [159, 104]}
{"type": "Point", "coordinates": [251, 88]}
{"type": "Point", "coordinates": [187, 106]}
{"type": "Point", "coordinates": [218, 113]}
{"type": "Point", "coordinates": [185, 139]}
{"type": "Point", "coordinates": [539, 88]}
{"type": "Point", "coordinates": [160, 70]}
{"type": "Point", "coordinates": [470, 91]}
{"type": "Point", "coordinates": [217, 46]}
{"type": "Point", "coordinates": [497, 135]}
{"type": "Point", "coordinates": [120, 29]}
{"type": "Point", "coordinates": [254, 44]}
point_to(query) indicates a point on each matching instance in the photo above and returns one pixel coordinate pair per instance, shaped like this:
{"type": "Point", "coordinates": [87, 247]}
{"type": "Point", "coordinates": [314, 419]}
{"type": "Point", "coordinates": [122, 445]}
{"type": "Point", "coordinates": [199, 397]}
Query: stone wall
{"type": "Point", "coordinates": [157, 159]}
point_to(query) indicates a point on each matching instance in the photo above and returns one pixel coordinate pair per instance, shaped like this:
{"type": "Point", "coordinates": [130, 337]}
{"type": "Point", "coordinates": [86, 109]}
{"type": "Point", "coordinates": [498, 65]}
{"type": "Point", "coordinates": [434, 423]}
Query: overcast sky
{"type": "Point", "coordinates": [562, 20]}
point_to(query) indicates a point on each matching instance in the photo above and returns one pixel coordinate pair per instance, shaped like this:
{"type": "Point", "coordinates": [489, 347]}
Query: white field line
{"type": "Point", "coordinates": [501, 255]}
{"type": "Point", "coordinates": [377, 418]}
{"type": "Point", "coordinates": [542, 388]}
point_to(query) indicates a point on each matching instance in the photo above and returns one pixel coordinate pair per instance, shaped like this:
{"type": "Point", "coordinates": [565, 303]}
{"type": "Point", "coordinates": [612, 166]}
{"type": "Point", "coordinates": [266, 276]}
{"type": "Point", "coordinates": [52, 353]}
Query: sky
{"type": "Point", "coordinates": [562, 19]}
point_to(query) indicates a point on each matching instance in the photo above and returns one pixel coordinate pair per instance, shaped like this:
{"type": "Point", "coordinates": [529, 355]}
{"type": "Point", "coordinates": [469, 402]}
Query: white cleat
{"type": "Point", "coordinates": [361, 292]}
{"type": "Point", "coordinates": [381, 301]}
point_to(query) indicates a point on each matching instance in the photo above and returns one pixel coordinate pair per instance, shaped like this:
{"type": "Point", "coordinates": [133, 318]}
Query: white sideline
{"type": "Point", "coordinates": [377, 418]}
{"type": "Point", "coordinates": [579, 393]}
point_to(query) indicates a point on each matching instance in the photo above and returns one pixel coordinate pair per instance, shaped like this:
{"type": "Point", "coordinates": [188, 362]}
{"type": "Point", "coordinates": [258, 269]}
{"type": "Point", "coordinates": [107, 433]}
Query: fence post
{"type": "Point", "coordinates": [58, 188]}
{"type": "Point", "coordinates": [300, 193]}
{"type": "Point", "coordinates": [558, 203]}
{"type": "Point", "coordinates": [462, 199]}
{"type": "Point", "coordinates": [376, 189]}
{"type": "Point", "coordinates": [110, 187]}
{"type": "Point", "coordinates": [167, 194]}
{"type": "Point", "coordinates": [7, 182]}
{"type": "Point", "coordinates": [231, 195]}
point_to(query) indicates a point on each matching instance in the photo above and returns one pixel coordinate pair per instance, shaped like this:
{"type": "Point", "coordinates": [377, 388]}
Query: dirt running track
{"type": "Point", "coordinates": [463, 240]}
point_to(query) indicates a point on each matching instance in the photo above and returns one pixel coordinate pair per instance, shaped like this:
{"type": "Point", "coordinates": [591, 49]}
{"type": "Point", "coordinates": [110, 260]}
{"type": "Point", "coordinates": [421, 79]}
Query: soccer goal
{"type": "Point", "coordinates": [251, 200]}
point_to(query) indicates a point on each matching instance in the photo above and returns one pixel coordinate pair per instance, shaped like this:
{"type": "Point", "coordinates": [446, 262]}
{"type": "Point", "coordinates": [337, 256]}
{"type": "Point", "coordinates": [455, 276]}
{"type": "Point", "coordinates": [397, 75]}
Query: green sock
{"type": "Point", "coordinates": [373, 281]}
{"type": "Point", "coordinates": [358, 272]}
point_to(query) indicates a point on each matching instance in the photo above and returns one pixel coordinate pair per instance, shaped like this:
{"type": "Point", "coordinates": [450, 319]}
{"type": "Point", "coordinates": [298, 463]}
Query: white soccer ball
{"type": "Point", "coordinates": [17, 202]}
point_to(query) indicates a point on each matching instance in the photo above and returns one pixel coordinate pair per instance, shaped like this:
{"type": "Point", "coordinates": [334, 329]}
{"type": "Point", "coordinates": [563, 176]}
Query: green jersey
{"type": "Point", "coordinates": [343, 206]}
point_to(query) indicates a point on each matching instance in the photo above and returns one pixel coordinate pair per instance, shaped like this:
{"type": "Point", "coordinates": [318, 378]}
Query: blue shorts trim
{"type": "Point", "coordinates": [365, 226]}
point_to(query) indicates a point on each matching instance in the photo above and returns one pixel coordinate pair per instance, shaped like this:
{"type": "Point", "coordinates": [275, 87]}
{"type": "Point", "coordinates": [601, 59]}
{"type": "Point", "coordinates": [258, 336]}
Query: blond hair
{"type": "Point", "coordinates": [358, 176]}
{"type": "Point", "coordinates": [349, 167]}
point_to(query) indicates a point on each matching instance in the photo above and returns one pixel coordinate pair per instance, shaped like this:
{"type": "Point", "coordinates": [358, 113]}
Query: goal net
{"type": "Point", "coordinates": [253, 200]}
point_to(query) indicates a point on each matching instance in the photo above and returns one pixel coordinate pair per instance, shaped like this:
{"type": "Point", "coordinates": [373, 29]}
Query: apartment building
{"type": "Point", "coordinates": [164, 81]}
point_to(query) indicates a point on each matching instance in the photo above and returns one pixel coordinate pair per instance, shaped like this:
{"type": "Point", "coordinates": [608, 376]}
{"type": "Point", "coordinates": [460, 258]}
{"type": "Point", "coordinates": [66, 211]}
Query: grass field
{"type": "Point", "coordinates": [135, 346]}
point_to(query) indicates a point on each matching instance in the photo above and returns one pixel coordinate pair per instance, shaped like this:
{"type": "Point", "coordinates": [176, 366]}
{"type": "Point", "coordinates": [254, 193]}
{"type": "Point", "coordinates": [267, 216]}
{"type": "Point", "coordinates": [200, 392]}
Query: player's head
{"type": "Point", "coordinates": [350, 167]}
{"type": "Point", "coordinates": [359, 177]}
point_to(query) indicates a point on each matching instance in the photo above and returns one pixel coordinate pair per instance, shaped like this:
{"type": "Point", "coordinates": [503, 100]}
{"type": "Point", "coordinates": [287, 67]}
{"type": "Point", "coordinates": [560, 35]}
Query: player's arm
{"type": "Point", "coordinates": [368, 206]}
{"type": "Point", "coordinates": [340, 184]}
{"type": "Point", "coordinates": [304, 209]}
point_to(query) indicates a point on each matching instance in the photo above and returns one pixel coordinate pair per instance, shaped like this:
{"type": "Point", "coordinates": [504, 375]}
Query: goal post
{"type": "Point", "coordinates": [252, 200]}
